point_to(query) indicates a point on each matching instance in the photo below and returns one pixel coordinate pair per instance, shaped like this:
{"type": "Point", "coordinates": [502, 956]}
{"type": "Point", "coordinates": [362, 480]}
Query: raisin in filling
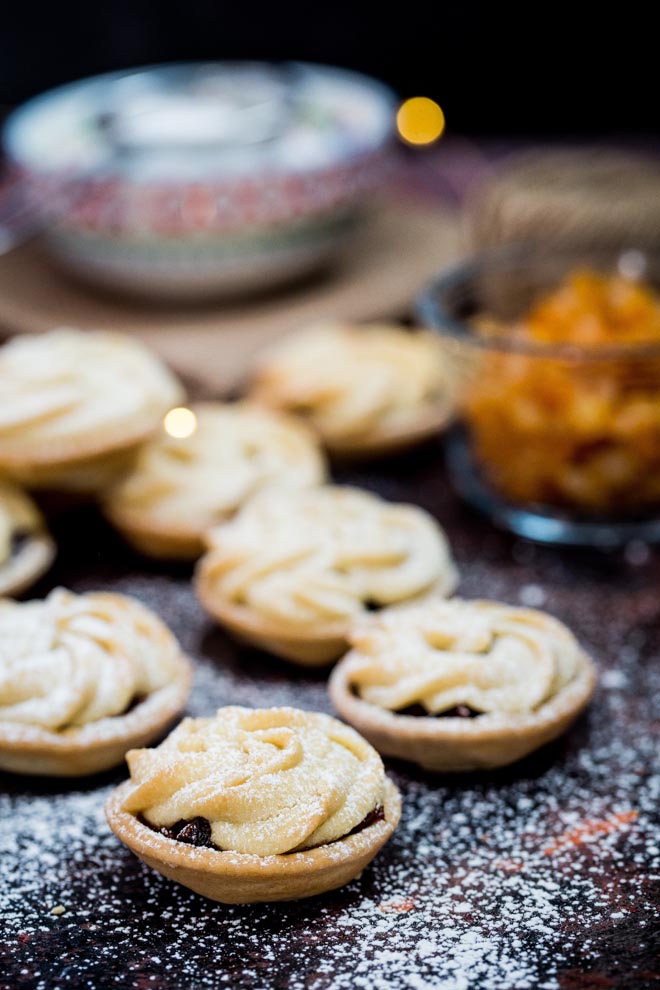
{"type": "Point", "coordinates": [376, 814]}
{"type": "Point", "coordinates": [459, 711]}
{"type": "Point", "coordinates": [133, 704]}
{"type": "Point", "coordinates": [19, 540]}
{"type": "Point", "coordinates": [197, 832]}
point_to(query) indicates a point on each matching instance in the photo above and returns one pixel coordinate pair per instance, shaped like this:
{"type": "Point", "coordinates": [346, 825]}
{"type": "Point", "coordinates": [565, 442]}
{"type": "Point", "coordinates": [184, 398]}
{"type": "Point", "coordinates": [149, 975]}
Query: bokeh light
{"type": "Point", "coordinates": [420, 120]}
{"type": "Point", "coordinates": [180, 422]}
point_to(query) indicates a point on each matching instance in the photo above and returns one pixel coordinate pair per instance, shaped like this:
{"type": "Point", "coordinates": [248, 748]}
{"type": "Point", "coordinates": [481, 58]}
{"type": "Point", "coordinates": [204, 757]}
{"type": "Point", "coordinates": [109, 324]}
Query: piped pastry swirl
{"type": "Point", "coordinates": [71, 397]}
{"type": "Point", "coordinates": [295, 569]}
{"type": "Point", "coordinates": [179, 487]}
{"type": "Point", "coordinates": [269, 781]}
{"type": "Point", "coordinates": [506, 680]}
{"type": "Point", "coordinates": [82, 679]}
{"type": "Point", "coordinates": [362, 388]}
{"type": "Point", "coordinates": [483, 655]}
{"type": "Point", "coordinates": [74, 659]}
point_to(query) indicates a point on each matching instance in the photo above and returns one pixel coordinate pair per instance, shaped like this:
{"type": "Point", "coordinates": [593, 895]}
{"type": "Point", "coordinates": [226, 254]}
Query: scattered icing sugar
{"type": "Point", "coordinates": [637, 552]}
{"type": "Point", "coordinates": [520, 879]}
{"type": "Point", "coordinates": [532, 595]}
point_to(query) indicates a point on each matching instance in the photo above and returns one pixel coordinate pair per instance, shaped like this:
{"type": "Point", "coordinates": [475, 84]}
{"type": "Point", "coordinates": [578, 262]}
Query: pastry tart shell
{"type": "Point", "coordinates": [33, 559]}
{"type": "Point", "coordinates": [242, 878]}
{"type": "Point", "coordinates": [462, 744]}
{"type": "Point", "coordinates": [393, 440]}
{"type": "Point", "coordinates": [164, 541]}
{"type": "Point", "coordinates": [99, 745]}
{"type": "Point", "coordinates": [104, 440]}
{"type": "Point", "coordinates": [315, 646]}
{"type": "Point", "coordinates": [311, 647]}
{"type": "Point", "coordinates": [89, 472]}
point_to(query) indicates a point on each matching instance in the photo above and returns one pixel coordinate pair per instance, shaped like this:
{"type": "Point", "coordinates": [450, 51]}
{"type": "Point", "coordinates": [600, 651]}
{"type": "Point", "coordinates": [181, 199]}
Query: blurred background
{"type": "Point", "coordinates": [496, 69]}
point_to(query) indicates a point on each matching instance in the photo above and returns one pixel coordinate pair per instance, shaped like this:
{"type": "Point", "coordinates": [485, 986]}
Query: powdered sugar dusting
{"type": "Point", "coordinates": [544, 876]}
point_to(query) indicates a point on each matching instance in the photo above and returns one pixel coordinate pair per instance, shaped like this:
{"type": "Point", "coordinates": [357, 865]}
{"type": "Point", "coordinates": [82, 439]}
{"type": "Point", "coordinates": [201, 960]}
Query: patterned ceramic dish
{"type": "Point", "coordinates": [199, 179]}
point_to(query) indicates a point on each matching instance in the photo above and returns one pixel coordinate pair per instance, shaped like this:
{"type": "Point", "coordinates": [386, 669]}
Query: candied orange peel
{"type": "Point", "coordinates": [591, 309]}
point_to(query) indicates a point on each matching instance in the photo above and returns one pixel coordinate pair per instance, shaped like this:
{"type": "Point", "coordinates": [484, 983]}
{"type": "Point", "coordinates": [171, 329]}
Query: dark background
{"type": "Point", "coordinates": [510, 69]}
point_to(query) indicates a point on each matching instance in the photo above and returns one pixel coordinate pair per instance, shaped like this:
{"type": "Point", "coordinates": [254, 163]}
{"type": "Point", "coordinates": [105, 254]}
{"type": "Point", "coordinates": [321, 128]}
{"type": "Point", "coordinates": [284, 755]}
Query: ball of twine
{"type": "Point", "coordinates": [574, 198]}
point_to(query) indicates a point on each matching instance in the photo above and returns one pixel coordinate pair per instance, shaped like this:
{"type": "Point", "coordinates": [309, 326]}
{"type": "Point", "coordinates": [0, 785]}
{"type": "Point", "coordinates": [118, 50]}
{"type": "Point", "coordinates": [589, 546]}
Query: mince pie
{"type": "Point", "coordinates": [293, 570]}
{"type": "Point", "coordinates": [364, 389]}
{"type": "Point", "coordinates": [462, 685]}
{"type": "Point", "coordinates": [257, 805]}
{"type": "Point", "coordinates": [180, 487]}
{"type": "Point", "coordinates": [84, 678]}
{"type": "Point", "coordinates": [76, 405]}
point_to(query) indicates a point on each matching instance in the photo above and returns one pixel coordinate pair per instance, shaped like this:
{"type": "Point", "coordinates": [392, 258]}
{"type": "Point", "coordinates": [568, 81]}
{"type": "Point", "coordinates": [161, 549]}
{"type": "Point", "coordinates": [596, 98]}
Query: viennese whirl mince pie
{"type": "Point", "coordinates": [364, 389]}
{"type": "Point", "coordinates": [76, 404]}
{"type": "Point", "coordinates": [294, 570]}
{"type": "Point", "coordinates": [257, 805]}
{"type": "Point", "coordinates": [84, 678]}
{"type": "Point", "coordinates": [461, 685]}
{"type": "Point", "coordinates": [180, 487]}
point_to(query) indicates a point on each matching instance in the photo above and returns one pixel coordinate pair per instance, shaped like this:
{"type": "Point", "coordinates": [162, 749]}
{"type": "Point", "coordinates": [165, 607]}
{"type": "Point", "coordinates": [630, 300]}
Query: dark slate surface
{"type": "Point", "coordinates": [544, 875]}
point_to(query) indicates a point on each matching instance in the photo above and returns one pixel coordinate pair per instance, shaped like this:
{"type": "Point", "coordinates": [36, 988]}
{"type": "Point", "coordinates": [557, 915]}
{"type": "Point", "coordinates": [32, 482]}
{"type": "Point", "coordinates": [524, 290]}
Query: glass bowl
{"type": "Point", "coordinates": [555, 440]}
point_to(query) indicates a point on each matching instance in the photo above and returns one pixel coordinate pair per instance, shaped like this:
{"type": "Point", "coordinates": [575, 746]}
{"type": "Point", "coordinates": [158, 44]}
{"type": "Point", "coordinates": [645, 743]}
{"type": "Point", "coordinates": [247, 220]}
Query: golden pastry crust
{"type": "Point", "coordinates": [364, 389]}
{"type": "Point", "coordinates": [84, 678]}
{"type": "Point", "coordinates": [289, 797]}
{"type": "Point", "coordinates": [294, 570]}
{"type": "Point", "coordinates": [521, 671]}
{"type": "Point", "coordinates": [21, 563]}
{"type": "Point", "coordinates": [75, 403]}
{"type": "Point", "coordinates": [179, 488]}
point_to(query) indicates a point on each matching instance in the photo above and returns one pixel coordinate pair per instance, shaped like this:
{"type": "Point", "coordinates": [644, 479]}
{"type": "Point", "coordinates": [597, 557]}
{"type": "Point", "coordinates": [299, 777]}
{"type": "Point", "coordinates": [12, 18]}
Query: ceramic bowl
{"type": "Point", "coordinates": [200, 179]}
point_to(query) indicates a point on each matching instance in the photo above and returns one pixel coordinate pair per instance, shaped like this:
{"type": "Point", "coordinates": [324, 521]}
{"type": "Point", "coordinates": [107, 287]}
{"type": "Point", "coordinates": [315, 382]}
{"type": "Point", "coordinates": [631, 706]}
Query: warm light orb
{"type": "Point", "coordinates": [420, 120]}
{"type": "Point", "coordinates": [180, 422]}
